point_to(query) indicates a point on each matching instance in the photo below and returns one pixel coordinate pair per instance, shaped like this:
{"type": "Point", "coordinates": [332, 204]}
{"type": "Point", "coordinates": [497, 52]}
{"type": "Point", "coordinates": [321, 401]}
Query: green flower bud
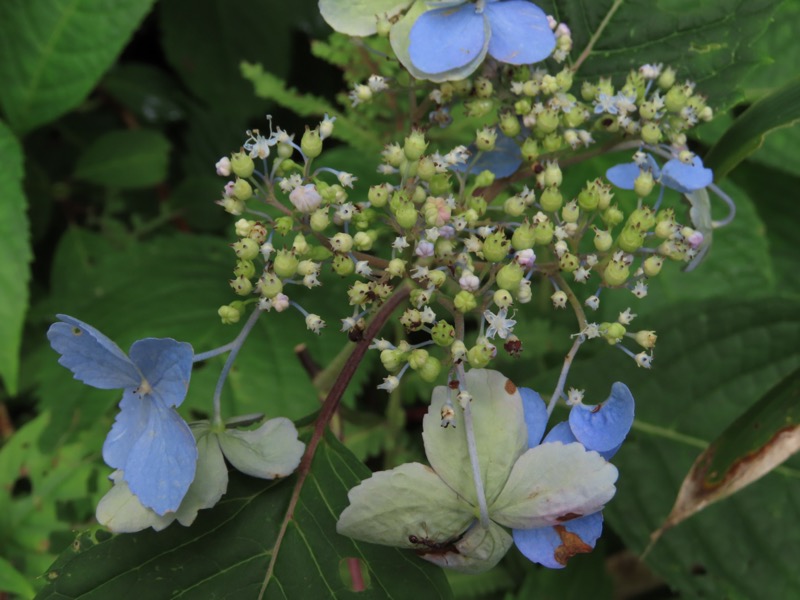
{"type": "Point", "coordinates": [471, 216]}
{"type": "Point", "coordinates": [342, 242]}
{"type": "Point", "coordinates": [393, 155]}
{"type": "Point", "coordinates": [652, 265]}
{"type": "Point", "coordinates": [569, 262]}
{"type": "Point", "coordinates": [484, 179]}
{"type": "Point", "coordinates": [547, 121]}
{"type": "Point", "coordinates": [430, 370]}
{"type": "Point", "coordinates": [509, 124]}
{"type": "Point", "coordinates": [458, 351]}
{"type": "Point", "coordinates": [242, 165]}
{"type": "Point", "coordinates": [269, 285]}
{"type": "Point", "coordinates": [612, 216]}
{"type": "Point", "coordinates": [646, 339]}
{"type": "Point", "coordinates": [616, 273]}
{"type": "Point", "coordinates": [613, 332]}
{"type": "Point", "coordinates": [574, 118]}
{"type": "Point", "coordinates": [651, 133]}
{"type": "Point", "coordinates": [320, 220]}
{"type": "Point", "coordinates": [485, 139]}
{"type": "Point", "coordinates": [480, 355]}
{"type": "Point", "coordinates": [443, 334]}
{"type": "Point", "coordinates": [522, 107]}
{"type": "Point", "coordinates": [358, 294]}
{"type": "Point", "coordinates": [444, 250]}
{"type": "Point", "coordinates": [523, 237]}
{"type": "Point", "coordinates": [307, 267]}
{"type": "Point", "coordinates": [588, 91]}
{"type": "Point", "coordinates": [530, 150]}
{"type": "Point", "coordinates": [406, 215]}
{"type": "Point", "coordinates": [415, 145]}
{"type": "Point", "coordinates": [509, 276]}
{"type": "Point", "coordinates": [231, 313]}
{"type": "Point", "coordinates": [667, 78]}
{"type": "Point", "coordinates": [464, 301]}
{"type": "Point", "coordinates": [602, 240]}
{"type": "Point", "coordinates": [552, 174]}
{"type": "Point", "coordinates": [411, 319]}
{"type": "Point", "coordinates": [311, 143]}
{"type": "Point", "coordinates": [496, 247]}
{"type": "Point", "coordinates": [630, 239]}
{"type": "Point", "coordinates": [418, 358]}
{"type": "Point", "coordinates": [283, 225]}
{"type": "Point", "coordinates": [426, 168]}
{"type": "Point", "coordinates": [437, 278]}
{"type": "Point", "coordinates": [675, 99]}
{"type": "Point", "coordinates": [665, 229]}
{"type": "Point", "coordinates": [393, 359]}
{"type": "Point", "coordinates": [242, 190]}
{"type": "Point", "coordinates": [362, 241]}
{"type": "Point", "coordinates": [246, 249]}
{"type": "Point", "coordinates": [642, 218]}
{"type": "Point", "coordinates": [420, 298]}
{"type": "Point", "coordinates": [378, 195]}
{"type": "Point", "coordinates": [552, 142]}
{"type": "Point", "coordinates": [480, 107]}
{"type": "Point", "coordinates": [503, 298]}
{"type": "Point", "coordinates": [242, 286]}
{"type": "Point", "coordinates": [514, 206]}
{"type": "Point", "coordinates": [245, 268]}
{"type": "Point", "coordinates": [551, 199]}
{"type": "Point", "coordinates": [543, 232]}
{"type": "Point", "coordinates": [589, 198]}
{"type": "Point", "coordinates": [644, 183]}
{"type": "Point", "coordinates": [285, 264]}
{"type": "Point", "coordinates": [440, 185]}
{"type": "Point", "coordinates": [343, 265]}
{"type": "Point", "coordinates": [396, 268]}
{"type": "Point", "coordinates": [300, 245]}
{"type": "Point", "coordinates": [570, 213]}
{"type": "Point", "coordinates": [483, 87]}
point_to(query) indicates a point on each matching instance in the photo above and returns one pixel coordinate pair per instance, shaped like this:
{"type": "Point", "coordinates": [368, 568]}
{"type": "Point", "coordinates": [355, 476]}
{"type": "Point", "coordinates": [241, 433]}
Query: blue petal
{"type": "Point", "coordinates": [167, 367]}
{"type": "Point", "coordinates": [503, 161]}
{"type": "Point", "coordinates": [446, 38]}
{"type": "Point", "coordinates": [130, 424]}
{"type": "Point", "coordinates": [686, 178]}
{"type": "Point", "coordinates": [521, 34]}
{"type": "Point", "coordinates": [535, 415]}
{"type": "Point", "coordinates": [92, 357]}
{"type": "Point", "coordinates": [554, 546]}
{"type": "Point", "coordinates": [604, 426]}
{"type": "Point", "coordinates": [562, 433]}
{"type": "Point", "coordinates": [162, 461]}
{"type": "Point", "coordinates": [623, 175]}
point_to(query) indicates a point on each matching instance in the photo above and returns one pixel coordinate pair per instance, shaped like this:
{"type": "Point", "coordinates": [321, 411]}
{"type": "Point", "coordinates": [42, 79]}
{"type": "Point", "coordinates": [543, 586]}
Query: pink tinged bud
{"type": "Point", "coordinates": [424, 248]}
{"type": "Point", "coordinates": [469, 281]}
{"type": "Point", "coordinates": [280, 302]}
{"type": "Point", "coordinates": [228, 189]}
{"type": "Point", "coordinates": [223, 166]}
{"type": "Point", "coordinates": [695, 239]}
{"type": "Point", "coordinates": [525, 258]}
{"type": "Point", "coordinates": [305, 198]}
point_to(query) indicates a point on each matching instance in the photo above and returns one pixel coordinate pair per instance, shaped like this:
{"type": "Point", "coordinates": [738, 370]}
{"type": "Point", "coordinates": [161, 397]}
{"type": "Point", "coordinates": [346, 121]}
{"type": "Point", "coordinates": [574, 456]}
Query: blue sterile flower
{"type": "Point", "coordinates": [601, 428]}
{"type": "Point", "coordinates": [676, 174]}
{"type": "Point", "coordinates": [149, 442]}
{"type": "Point", "coordinates": [457, 34]}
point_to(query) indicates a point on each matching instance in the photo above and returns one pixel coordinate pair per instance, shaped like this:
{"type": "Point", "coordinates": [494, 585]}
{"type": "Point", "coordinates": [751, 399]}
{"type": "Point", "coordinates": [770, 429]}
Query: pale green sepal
{"type": "Point", "coordinates": [553, 483]}
{"type": "Point", "coordinates": [700, 215]}
{"type": "Point", "coordinates": [479, 550]}
{"type": "Point", "coordinates": [121, 511]}
{"type": "Point", "coordinates": [268, 452]}
{"type": "Point", "coordinates": [398, 37]}
{"type": "Point", "coordinates": [500, 434]}
{"type": "Point", "coordinates": [410, 500]}
{"type": "Point", "coordinates": [358, 17]}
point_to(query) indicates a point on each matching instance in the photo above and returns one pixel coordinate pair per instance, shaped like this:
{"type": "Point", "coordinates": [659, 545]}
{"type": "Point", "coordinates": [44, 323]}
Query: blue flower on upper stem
{"type": "Point", "coordinates": [149, 442]}
{"type": "Point", "coordinates": [461, 33]}
{"type": "Point", "coordinates": [683, 177]}
{"type": "Point", "coordinates": [601, 428]}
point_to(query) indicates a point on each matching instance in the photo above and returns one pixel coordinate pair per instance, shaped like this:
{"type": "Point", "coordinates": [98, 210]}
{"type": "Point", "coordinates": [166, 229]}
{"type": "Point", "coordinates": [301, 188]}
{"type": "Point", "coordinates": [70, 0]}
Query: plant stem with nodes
{"type": "Point", "coordinates": [579, 339]}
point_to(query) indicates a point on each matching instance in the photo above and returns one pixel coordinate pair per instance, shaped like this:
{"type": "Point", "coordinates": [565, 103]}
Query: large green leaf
{"type": "Point", "coordinates": [227, 551]}
{"type": "Point", "coordinates": [125, 159]}
{"type": "Point", "coordinates": [748, 132]}
{"type": "Point", "coordinates": [16, 253]}
{"type": "Point", "coordinates": [53, 52]}
{"type": "Point", "coordinates": [714, 359]}
{"type": "Point", "coordinates": [709, 42]}
{"type": "Point", "coordinates": [753, 445]}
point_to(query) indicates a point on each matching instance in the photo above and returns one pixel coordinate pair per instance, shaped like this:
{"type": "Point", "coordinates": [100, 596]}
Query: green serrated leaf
{"type": "Point", "coordinates": [748, 132]}
{"type": "Point", "coordinates": [53, 52]}
{"type": "Point", "coordinates": [16, 252]}
{"type": "Point", "coordinates": [270, 87]}
{"type": "Point", "coordinates": [125, 159]}
{"type": "Point", "coordinates": [709, 42]}
{"type": "Point", "coordinates": [227, 551]}
{"type": "Point", "coordinates": [752, 446]}
{"type": "Point", "coordinates": [712, 359]}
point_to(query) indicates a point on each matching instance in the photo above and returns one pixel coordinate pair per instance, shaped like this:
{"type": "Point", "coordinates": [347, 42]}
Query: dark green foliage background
{"type": "Point", "coordinates": [112, 116]}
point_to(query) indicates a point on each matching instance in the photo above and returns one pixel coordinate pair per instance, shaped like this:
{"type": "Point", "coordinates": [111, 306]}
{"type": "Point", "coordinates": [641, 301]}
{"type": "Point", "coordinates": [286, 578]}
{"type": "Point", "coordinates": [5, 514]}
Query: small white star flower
{"type": "Point", "coordinates": [640, 289]}
{"type": "Point", "coordinates": [644, 360]}
{"type": "Point", "coordinates": [389, 384]}
{"type": "Point", "coordinates": [626, 317]}
{"type": "Point", "coordinates": [574, 397]}
{"type": "Point", "coordinates": [592, 302]}
{"type": "Point", "coordinates": [314, 323]}
{"type": "Point", "coordinates": [499, 325]}
{"type": "Point", "coordinates": [400, 243]}
{"type": "Point", "coordinates": [381, 344]}
{"type": "Point", "coordinates": [363, 268]}
{"type": "Point", "coordinates": [346, 179]}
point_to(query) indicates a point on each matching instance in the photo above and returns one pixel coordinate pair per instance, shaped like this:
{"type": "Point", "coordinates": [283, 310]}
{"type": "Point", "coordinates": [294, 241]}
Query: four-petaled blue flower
{"type": "Point", "coordinates": [461, 33]}
{"type": "Point", "coordinates": [149, 442]}
{"type": "Point", "coordinates": [676, 174]}
{"type": "Point", "coordinates": [601, 428]}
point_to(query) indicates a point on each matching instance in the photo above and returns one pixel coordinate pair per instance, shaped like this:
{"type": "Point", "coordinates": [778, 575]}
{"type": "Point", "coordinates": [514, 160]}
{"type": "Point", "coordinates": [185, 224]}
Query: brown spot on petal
{"type": "Point", "coordinates": [597, 408]}
{"type": "Point", "coordinates": [510, 387]}
{"type": "Point", "coordinates": [571, 544]}
{"type": "Point", "coordinates": [568, 517]}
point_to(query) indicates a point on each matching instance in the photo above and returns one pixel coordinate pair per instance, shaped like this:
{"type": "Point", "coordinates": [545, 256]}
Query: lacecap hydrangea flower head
{"type": "Point", "coordinates": [449, 39]}
{"type": "Point", "coordinates": [434, 509]}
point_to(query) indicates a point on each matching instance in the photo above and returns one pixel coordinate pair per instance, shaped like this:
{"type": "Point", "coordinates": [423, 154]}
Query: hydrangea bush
{"type": "Point", "coordinates": [480, 214]}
